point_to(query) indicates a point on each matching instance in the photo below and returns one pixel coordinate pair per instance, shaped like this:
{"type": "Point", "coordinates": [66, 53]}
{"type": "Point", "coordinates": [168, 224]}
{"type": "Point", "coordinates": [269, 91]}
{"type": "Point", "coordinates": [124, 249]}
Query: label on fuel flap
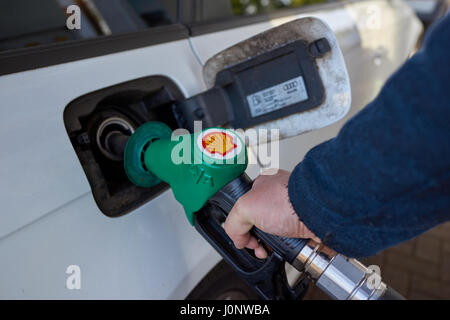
{"type": "Point", "coordinates": [278, 96]}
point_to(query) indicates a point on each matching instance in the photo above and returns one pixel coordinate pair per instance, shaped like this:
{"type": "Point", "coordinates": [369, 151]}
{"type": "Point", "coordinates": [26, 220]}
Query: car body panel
{"type": "Point", "coordinates": [49, 219]}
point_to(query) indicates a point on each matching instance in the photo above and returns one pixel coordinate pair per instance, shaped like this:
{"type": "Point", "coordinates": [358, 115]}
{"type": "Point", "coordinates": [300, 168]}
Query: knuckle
{"type": "Point", "coordinates": [227, 227]}
{"type": "Point", "coordinates": [239, 205]}
{"type": "Point", "coordinates": [259, 179]}
{"type": "Point", "coordinates": [240, 242]}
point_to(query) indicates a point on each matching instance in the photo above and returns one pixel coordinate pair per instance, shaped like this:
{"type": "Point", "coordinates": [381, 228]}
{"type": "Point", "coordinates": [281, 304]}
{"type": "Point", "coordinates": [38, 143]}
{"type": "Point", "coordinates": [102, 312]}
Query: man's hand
{"type": "Point", "coordinates": [267, 207]}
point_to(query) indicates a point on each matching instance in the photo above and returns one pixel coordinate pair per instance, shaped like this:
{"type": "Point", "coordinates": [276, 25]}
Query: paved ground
{"type": "Point", "coordinates": [418, 269]}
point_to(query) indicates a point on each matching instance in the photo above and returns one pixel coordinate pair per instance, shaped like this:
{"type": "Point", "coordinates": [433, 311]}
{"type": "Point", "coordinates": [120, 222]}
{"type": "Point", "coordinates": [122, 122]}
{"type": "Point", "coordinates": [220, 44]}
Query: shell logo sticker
{"type": "Point", "coordinates": [219, 143]}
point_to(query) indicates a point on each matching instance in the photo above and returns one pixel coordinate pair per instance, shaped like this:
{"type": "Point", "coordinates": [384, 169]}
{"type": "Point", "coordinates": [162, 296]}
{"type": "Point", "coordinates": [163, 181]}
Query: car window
{"type": "Point", "coordinates": [210, 11]}
{"type": "Point", "coordinates": [252, 7]}
{"type": "Point", "coordinates": [31, 23]}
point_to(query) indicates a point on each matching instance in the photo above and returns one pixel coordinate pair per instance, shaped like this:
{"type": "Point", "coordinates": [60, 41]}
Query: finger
{"type": "Point", "coordinates": [238, 233]}
{"type": "Point", "coordinates": [253, 243]}
{"type": "Point", "coordinates": [237, 226]}
{"type": "Point", "coordinates": [259, 250]}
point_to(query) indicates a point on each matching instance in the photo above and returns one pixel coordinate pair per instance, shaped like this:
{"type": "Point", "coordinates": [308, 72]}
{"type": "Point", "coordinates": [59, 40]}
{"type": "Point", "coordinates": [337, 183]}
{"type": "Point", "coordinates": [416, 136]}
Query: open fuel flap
{"type": "Point", "coordinates": [98, 125]}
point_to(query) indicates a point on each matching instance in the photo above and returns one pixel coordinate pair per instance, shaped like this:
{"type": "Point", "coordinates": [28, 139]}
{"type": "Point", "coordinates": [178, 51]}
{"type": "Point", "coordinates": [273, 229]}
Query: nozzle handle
{"type": "Point", "coordinates": [288, 248]}
{"type": "Point", "coordinates": [336, 275]}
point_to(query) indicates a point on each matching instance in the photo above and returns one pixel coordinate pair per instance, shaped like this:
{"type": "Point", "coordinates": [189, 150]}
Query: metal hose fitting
{"type": "Point", "coordinates": [338, 276]}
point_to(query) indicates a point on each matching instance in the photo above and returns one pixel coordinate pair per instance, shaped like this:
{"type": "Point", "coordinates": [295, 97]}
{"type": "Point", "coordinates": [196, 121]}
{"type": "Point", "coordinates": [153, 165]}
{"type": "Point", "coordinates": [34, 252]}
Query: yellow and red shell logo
{"type": "Point", "coordinates": [219, 143]}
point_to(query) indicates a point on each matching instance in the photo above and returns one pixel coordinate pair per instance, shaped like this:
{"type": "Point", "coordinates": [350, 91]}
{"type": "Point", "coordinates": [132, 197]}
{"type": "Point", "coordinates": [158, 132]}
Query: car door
{"type": "Point", "coordinates": [51, 230]}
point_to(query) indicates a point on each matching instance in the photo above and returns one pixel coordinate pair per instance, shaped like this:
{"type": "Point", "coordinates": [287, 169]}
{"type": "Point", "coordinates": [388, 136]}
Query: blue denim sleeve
{"type": "Point", "coordinates": [386, 177]}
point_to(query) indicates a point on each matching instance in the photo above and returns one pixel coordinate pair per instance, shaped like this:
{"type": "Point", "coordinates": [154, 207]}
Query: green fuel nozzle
{"type": "Point", "coordinates": [196, 166]}
{"type": "Point", "coordinates": [208, 166]}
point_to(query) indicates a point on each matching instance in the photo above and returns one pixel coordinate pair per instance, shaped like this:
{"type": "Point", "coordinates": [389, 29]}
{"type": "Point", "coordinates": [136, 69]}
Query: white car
{"type": "Point", "coordinates": [59, 185]}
